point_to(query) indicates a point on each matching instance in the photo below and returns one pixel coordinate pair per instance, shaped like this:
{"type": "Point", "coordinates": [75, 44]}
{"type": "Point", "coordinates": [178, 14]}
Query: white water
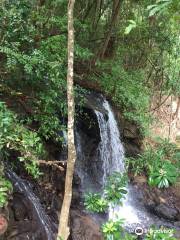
{"type": "Point", "coordinates": [43, 219]}
{"type": "Point", "coordinates": [112, 156]}
{"type": "Point", "coordinates": [110, 148]}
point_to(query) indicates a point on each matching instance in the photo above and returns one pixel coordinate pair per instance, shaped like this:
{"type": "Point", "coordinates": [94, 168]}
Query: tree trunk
{"type": "Point", "coordinates": [64, 230]}
{"type": "Point", "coordinates": [115, 13]}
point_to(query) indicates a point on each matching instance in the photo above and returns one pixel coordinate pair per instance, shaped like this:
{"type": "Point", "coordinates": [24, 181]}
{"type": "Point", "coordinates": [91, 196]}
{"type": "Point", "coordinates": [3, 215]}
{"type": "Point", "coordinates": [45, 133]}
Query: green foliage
{"type": "Point", "coordinates": [160, 162]}
{"type": "Point", "coordinates": [95, 203]}
{"type": "Point", "coordinates": [14, 136]}
{"type": "Point", "coordinates": [33, 45]}
{"type": "Point", "coordinates": [168, 148]}
{"type": "Point", "coordinates": [128, 92]}
{"type": "Point", "coordinates": [5, 189]}
{"type": "Point", "coordinates": [127, 236]}
{"type": "Point", "coordinates": [160, 234]}
{"type": "Point", "coordinates": [163, 175]}
{"type": "Point", "coordinates": [130, 27]}
{"type": "Point", "coordinates": [112, 230]}
{"type": "Point", "coordinates": [159, 7]}
{"type": "Point", "coordinates": [35, 59]}
{"type": "Point", "coordinates": [113, 193]}
{"type": "Point", "coordinates": [115, 189]}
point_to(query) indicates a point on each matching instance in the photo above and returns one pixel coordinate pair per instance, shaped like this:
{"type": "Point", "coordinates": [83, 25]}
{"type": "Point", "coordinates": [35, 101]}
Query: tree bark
{"type": "Point", "coordinates": [64, 230]}
{"type": "Point", "coordinates": [115, 13]}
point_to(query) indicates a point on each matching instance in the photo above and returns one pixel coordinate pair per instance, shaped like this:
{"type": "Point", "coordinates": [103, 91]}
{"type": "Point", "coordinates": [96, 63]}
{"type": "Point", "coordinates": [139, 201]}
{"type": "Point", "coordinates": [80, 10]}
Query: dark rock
{"type": "Point", "coordinates": [19, 207]}
{"type": "Point", "coordinates": [131, 149]}
{"type": "Point", "coordinates": [76, 196]}
{"type": "Point", "coordinates": [161, 202]}
{"type": "Point", "coordinates": [84, 228]}
{"type": "Point", "coordinates": [94, 101]}
{"type": "Point", "coordinates": [76, 180]}
{"type": "Point", "coordinates": [164, 211]}
{"type": "Point", "coordinates": [56, 203]}
{"type": "Point", "coordinates": [58, 180]}
{"type": "Point", "coordinates": [130, 131]}
{"type": "Point", "coordinates": [87, 122]}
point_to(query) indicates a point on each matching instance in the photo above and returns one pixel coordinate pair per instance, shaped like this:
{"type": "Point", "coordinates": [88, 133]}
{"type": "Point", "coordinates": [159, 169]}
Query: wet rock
{"type": "Point", "coordinates": [130, 134]}
{"type": "Point", "coordinates": [87, 122]}
{"type": "Point", "coordinates": [163, 210]}
{"type": "Point", "coordinates": [76, 197]}
{"type": "Point", "coordinates": [56, 203]}
{"type": "Point", "coordinates": [94, 101]}
{"type": "Point", "coordinates": [131, 149]}
{"type": "Point", "coordinates": [130, 131]}
{"type": "Point", "coordinates": [84, 228]}
{"type": "Point", "coordinates": [19, 208]}
{"type": "Point", "coordinates": [58, 180]}
{"type": "Point", "coordinates": [76, 180]}
{"type": "Point", "coordinates": [162, 202]}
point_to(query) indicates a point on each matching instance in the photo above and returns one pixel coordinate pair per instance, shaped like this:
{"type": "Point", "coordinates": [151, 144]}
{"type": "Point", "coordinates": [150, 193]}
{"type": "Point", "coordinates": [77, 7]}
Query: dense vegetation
{"type": "Point", "coordinates": [160, 162]}
{"type": "Point", "coordinates": [128, 50]}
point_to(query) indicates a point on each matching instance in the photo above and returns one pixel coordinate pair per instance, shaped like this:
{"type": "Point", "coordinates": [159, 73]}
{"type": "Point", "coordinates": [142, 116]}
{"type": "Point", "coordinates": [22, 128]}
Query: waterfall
{"type": "Point", "coordinates": [24, 187]}
{"type": "Point", "coordinates": [110, 148]}
{"type": "Point", "coordinates": [111, 153]}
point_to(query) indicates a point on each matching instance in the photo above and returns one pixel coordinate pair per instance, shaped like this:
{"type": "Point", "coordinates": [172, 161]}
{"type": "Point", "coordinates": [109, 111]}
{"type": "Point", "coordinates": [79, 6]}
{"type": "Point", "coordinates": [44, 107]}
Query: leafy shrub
{"type": "Point", "coordinates": [14, 136]}
{"type": "Point", "coordinates": [127, 236]}
{"type": "Point", "coordinates": [5, 188]}
{"type": "Point", "coordinates": [112, 230]}
{"type": "Point", "coordinates": [115, 188]}
{"type": "Point", "coordinates": [127, 91]}
{"type": "Point", "coordinates": [159, 162]}
{"type": "Point", "coordinates": [163, 176]}
{"type": "Point", "coordinates": [135, 165]}
{"type": "Point", "coordinates": [114, 191]}
{"type": "Point", "coordinates": [95, 203]}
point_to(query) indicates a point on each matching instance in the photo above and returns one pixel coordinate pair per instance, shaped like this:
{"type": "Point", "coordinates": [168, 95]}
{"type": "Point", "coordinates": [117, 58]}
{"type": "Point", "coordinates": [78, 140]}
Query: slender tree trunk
{"type": "Point", "coordinates": [115, 13]}
{"type": "Point", "coordinates": [64, 230]}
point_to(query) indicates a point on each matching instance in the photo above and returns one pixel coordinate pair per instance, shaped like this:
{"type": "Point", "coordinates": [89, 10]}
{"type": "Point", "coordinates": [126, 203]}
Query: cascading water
{"type": "Point", "coordinates": [110, 148]}
{"type": "Point", "coordinates": [111, 153]}
{"type": "Point", "coordinates": [112, 156]}
{"type": "Point", "coordinates": [22, 186]}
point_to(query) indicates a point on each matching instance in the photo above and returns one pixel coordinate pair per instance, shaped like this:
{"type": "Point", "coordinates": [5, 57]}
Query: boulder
{"type": "Point", "coordinates": [131, 131]}
{"type": "Point", "coordinates": [162, 203]}
{"type": "Point", "coordinates": [167, 212]}
{"type": "Point", "coordinates": [94, 101]}
{"type": "Point", "coordinates": [131, 149]}
{"type": "Point", "coordinates": [83, 227]}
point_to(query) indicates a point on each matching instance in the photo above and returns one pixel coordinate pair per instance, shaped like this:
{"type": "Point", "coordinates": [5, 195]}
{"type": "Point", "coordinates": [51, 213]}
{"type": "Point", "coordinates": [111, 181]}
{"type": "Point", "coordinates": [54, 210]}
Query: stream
{"type": "Point", "coordinates": [107, 157]}
{"type": "Point", "coordinates": [45, 225]}
{"type": "Point", "coordinates": [111, 154]}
